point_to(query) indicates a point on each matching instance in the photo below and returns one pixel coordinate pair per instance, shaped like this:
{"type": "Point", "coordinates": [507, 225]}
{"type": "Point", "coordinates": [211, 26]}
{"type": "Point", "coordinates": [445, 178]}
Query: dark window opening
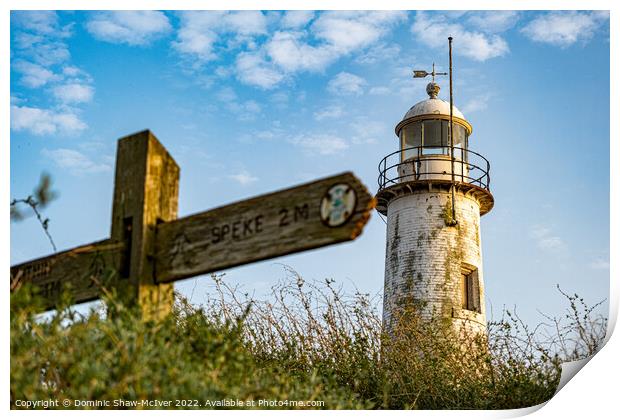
{"type": "Point", "coordinates": [470, 290]}
{"type": "Point", "coordinates": [126, 256]}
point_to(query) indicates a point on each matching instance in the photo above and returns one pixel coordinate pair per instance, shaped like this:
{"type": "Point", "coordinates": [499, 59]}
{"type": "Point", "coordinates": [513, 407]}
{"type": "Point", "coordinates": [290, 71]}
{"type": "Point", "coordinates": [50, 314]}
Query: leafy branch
{"type": "Point", "coordinates": [39, 200]}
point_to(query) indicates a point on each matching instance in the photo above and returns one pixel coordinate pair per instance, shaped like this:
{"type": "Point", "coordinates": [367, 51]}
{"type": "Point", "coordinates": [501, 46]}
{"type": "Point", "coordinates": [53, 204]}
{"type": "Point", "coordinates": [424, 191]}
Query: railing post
{"type": "Point", "coordinates": [488, 175]}
{"type": "Point", "coordinates": [462, 167]}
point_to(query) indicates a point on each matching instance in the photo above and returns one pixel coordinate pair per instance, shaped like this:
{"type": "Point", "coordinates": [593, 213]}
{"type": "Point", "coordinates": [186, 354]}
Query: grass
{"type": "Point", "coordinates": [309, 341]}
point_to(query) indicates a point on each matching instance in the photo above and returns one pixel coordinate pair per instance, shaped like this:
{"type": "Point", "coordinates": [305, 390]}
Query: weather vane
{"type": "Point", "coordinates": [420, 74]}
{"type": "Point", "coordinates": [433, 90]}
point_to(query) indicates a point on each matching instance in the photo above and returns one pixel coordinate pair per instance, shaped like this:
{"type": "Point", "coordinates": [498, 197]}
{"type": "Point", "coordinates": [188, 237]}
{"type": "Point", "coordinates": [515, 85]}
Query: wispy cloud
{"type": "Point", "coordinates": [73, 93]}
{"type": "Point", "coordinates": [493, 21]}
{"type": "Point", "coordinates": [41, 58]}
{"type": "Point", "coordinates": [338, 34]}
{"type": "Point", "coordinates": [600, 264]}
{"type": "Point", "coordinates": [546, 240]}
{"type": "Point", "coordinates": [37, 21]}
{"type": "Point", "coordinates": [433, 30]}
{"type": "Point", "coordinates": [295, 19]}
{"type": "Point", "coordinates": [331, 111]}
{"type": "Point", "coordinates": [74, 161]}
{"type": "Point", "coordinates": [246, 110]}
{"type": "Point", "coordinates": [253, 69]}
{"type": "Point", "coordinates": [364, 130]}
{"type": "Point", "coordinates": [132, 27]}
{"type": "Point", "coordinates": [563, 29]}
{"type": "Point", "coordinates": [199, 31]}
{"type": "Point", "coordinates": [346, 84]}
{"type": "Point", "coordinates": [303, 41]}
{"type": "Point", "coordinates": [39, 37]}
{"type": "Point", "coordinates": [379, 90]}
{"type": "Point", "coordinates": [34, 75]}
{"type": "Point", "coordinates": [347, 31]}
{"type": "Point", "coordinates": [378, 53]}
{"type": "Point", "coordinates": [290, 53]}
{"type": "Point", "coordinates": [477, 103]}
{"type": "Point", "coordinates": [322, 144]}
{"type": "Point", "coordinates": [243, 178]}
{"type": "Point", "coordinates": [45, 121]}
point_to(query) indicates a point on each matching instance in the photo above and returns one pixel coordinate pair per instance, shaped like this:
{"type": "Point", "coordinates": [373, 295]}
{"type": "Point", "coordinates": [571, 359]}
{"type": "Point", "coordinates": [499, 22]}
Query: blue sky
{"type": "Point", "coordinates": [250, 102]}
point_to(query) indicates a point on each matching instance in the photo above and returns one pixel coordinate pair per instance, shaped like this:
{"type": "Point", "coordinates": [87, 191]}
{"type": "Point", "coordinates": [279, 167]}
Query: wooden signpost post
{"type": "Point", "coordinates": [149, 248]}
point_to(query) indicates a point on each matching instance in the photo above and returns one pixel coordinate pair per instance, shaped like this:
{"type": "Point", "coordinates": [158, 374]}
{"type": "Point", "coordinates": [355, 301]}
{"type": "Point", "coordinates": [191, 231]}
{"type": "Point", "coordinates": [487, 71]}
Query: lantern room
{"type": "Point", "coordinates": [426, 152]}
{"type": "Point", "coordinates": [424, 136]}
{"type": "Point", "coordinates": [426, 126]}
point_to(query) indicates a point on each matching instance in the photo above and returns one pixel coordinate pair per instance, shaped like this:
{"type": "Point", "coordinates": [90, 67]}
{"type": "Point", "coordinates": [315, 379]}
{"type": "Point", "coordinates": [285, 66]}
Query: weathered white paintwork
{"type": "Point", "coordinates": [426, 254]}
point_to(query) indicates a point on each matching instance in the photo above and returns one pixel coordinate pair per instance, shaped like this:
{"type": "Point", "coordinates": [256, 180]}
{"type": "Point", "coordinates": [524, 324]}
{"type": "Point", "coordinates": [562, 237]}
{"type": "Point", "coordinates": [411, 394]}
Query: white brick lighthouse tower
{"type": "Point", "coordinates": [433, 191]}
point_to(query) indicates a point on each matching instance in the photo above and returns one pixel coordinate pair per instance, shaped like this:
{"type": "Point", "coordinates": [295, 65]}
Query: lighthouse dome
{"type": "Point", "coordinates": [432, 106]}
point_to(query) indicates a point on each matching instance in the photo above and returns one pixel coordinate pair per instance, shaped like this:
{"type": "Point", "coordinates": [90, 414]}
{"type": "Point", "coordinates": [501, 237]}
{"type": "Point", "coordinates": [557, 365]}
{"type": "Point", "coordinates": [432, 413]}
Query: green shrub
{"type": "Point", "coordinates": [308, 342]}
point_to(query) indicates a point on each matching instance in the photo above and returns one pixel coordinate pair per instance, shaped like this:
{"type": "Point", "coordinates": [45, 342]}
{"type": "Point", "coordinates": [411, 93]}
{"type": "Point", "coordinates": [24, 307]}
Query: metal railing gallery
{"type": "Point", "coordinates": [418, 164]}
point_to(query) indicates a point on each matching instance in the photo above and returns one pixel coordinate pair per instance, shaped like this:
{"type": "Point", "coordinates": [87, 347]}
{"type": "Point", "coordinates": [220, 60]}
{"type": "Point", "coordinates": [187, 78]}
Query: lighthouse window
{"type": "Point", "coordinates": [459, 136]}
{"type": "Point", "coordinates": [435, 137]}
{"type": "Point", "coordinates": [460, 143]}
{"type": "Point", "coordinates": [431, 137]}
{"type": "Point", "coordinates": [470, 289]}
{"type": "Point", "coordinates": [411, 136]}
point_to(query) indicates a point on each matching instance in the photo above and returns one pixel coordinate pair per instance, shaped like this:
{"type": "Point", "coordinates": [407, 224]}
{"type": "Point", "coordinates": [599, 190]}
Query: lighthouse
{"type": "Point", "coordinates": [433, 191]}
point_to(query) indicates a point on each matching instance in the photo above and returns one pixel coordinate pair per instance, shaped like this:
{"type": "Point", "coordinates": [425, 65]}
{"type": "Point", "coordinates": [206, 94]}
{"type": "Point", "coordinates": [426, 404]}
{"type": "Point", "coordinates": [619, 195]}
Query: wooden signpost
{"type": "Point", "coordinates": [149, 248]}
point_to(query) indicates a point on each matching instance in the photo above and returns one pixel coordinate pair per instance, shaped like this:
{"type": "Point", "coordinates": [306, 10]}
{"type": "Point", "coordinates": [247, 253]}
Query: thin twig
{"type": "Point", "coordinates": [44, 222]}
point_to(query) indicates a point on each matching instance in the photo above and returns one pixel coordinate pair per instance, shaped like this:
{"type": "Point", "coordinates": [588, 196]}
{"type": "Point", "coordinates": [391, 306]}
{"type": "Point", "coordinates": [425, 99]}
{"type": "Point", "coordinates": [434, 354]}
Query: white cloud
{"type": "Point", "coordinates": [244, 22]}
{"type": "Point", "coordinates": [434, 30]}
{"type": "Point", "coordinates": [227, 95]}
{"type": "Point", "coordinates": [200, 30]}
{"type": "Point", "coordinates": [74, 161]}
{"type": "Point", "coordinates": [307, 41]}
{"type": "Point", "coordinates": [73, 93]}
{"type": "Point", "coordinates": [38, 21]}
{"type": "Point", "coordinates": [332, 111]}
{"type": "Point", "coordinates": [600, 264]}
{"type": "Point", "coordinates": [243, 178]}
{"type": "Point", "coordinates": [493, 21]}
{"type": "Point", "coordinates": [251, 106]}
{"type": "Point", "coordinates": [41, 58]}
{"type": "Point", "coordinates": [245, 110]}
{"type": "Point", "coordinates": [44, 121]}
{"type": "Point", "coordinates": [347, 31]}
{"type": "Point", "coordinates": [346, 84]}
{"type": "Point", "coordinates": [378, 54]}
{"type": "Point", "coordinates": [563, 29]}
{"type": "Point", "coordinates": [267, 134]}
{"type": "Point", "coordinates": [366, 131]}
{"type": "Point", "coordinates": [379, 90]}
{"type": "Point", "coordinates": [475, 104]}
{"type": "Point", "coordinates": [132, 27]}
{"type": "Point", "coordinates": [340, 33]}
{"type": "Point", "coordinates": [280, 98]}
{"type": "Point", "coordinates": [195, 37]}
{"type": "Point", "coordinates": [287, 51]}
{"type": "Point", "coordinates": [49, 52]}
{"type": "Point", "coordinates": [75, 73]}
{"type": "Point", "coordinates": [546, 240]}
{"type": "Point", "coordinates": [295, 19]}
{"type": "Point", "coordinates": [25, 40]}
{"type": "Point", "coordinates": [34, 75]}
{"type": "Point", "coordinates": [252, 69]}
{"type": "Point", "coordinates": [39, 37]}
{"type": "Point", "coordinates": [322, 144]}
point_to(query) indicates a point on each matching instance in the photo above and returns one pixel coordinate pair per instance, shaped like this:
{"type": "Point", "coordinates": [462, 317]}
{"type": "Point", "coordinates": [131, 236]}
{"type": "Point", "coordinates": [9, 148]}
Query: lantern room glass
{"type": "Point", "coordinates": [430, 137]}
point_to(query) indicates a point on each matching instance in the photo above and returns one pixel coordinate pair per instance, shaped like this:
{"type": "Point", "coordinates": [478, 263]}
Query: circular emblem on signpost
{"type": "Point", "coordinates": [337, 205]}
